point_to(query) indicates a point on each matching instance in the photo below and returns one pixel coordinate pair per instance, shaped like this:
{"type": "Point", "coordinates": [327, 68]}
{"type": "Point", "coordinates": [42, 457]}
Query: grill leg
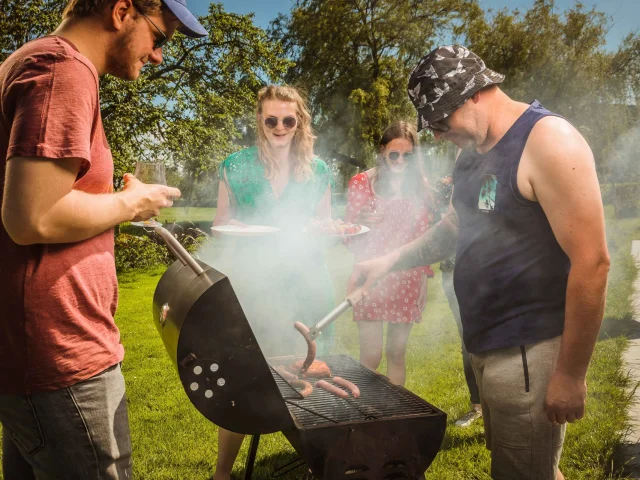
{"type": "Point", "coordinates": [251, 457]}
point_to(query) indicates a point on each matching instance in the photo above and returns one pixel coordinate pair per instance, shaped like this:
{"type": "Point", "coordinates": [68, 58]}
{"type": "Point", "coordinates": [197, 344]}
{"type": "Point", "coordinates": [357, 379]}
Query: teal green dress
{"type": "Point", "coordinates": [280, 278]}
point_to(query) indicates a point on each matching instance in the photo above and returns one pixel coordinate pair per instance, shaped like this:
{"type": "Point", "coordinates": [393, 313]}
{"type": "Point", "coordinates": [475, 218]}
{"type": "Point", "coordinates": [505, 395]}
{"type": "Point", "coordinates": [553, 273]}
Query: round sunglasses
{"type": "Point", "coordinates": [287, 122]}
{"type": "Point", "coordinates": [393, 155]}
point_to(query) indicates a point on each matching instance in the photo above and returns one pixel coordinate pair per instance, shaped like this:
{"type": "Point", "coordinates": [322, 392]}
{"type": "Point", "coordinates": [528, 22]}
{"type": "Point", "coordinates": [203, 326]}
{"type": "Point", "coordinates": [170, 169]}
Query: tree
{"type": "Point", "coordinates": [354, 56]}
{"type": "Point", "coordinates": [23, 21]}
{"type": "Point", "coordinates": [189, 111]}
{"type": "Point", "coordinates": [559, 58]}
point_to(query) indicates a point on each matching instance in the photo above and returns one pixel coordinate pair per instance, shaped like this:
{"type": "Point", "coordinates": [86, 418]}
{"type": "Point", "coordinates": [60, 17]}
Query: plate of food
{"type": "Point", "coordinates": [335, 228]}
{"type": "Point", "coordinates": [244, 230]}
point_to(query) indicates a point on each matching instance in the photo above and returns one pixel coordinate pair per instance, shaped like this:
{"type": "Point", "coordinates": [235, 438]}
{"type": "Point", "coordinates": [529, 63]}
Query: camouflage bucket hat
{"type": "Point", "coordinates": [445, 79]}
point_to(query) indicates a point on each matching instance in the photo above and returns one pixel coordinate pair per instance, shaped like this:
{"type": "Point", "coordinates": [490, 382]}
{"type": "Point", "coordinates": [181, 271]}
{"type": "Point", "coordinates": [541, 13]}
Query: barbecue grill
{"type": "Point", "coordinates": [388, 433]}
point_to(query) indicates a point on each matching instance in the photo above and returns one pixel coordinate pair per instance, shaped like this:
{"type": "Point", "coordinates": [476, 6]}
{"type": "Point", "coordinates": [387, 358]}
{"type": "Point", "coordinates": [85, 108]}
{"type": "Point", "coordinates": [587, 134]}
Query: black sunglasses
{"type": "Point", "coordinates": [440, 126]}
{"type": "Point", "coordinates": [287, 122]}
{"type": "Point", "coordinates": [159, 42]}
{"type": "Point", "coordinates": [393, 155]}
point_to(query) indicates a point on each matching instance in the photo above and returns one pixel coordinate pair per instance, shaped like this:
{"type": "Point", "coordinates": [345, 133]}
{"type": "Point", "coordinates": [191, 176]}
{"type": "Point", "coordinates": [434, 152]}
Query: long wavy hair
{"type": "Point", "coordinates": [302, 143]}
{"type": "Point", "coordinates": [414, 183]}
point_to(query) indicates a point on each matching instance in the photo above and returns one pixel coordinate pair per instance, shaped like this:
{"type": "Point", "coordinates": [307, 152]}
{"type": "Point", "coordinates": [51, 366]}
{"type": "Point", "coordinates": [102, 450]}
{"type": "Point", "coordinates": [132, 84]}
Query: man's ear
{"type": "Point", "coordinates": [120, 12]}
{"type": "Point", "coordinates": [476, 97]}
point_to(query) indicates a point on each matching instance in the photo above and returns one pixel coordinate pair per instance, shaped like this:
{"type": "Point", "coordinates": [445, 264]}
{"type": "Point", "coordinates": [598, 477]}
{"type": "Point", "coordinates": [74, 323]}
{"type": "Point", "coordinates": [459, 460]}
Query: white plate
{"type": "Point", "coordinates": [248, 231]}
{"type": "Point", "coordinates": [147, 224]}
{"type": "Point", "coordinates": [363, 229]}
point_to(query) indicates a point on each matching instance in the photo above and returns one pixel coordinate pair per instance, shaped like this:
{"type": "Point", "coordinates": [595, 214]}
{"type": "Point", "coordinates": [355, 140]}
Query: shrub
{"type": "Point", "coordinates": [138, 252]}
{"type": "Point", "coordinates": [134, 252]}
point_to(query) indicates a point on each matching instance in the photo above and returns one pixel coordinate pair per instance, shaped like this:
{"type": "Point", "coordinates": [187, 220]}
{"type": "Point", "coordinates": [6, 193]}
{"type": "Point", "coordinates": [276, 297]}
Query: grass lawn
{"type": "Point", "coordinates": [171, 440]}
{"type": "Point", "coordinates": [183, 214]}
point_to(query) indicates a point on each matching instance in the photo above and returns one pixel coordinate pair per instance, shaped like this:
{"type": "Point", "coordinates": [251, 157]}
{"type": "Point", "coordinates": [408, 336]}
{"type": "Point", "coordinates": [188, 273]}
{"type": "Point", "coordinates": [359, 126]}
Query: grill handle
{"type": "Point", "coordinates": [350, 300]}
{"type": "Point", "coordinates": [178, 250]}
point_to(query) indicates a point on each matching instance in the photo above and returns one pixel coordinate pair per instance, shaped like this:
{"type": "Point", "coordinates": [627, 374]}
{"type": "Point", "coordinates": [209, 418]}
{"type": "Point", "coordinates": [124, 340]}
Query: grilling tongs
{"type": "Point", "coordinates": [349, 301]}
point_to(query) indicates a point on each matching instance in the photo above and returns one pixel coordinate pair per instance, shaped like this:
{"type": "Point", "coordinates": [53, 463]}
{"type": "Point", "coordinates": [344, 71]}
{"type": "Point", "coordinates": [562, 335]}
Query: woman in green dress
{"type": "Point", "coordinates": [279, 278]}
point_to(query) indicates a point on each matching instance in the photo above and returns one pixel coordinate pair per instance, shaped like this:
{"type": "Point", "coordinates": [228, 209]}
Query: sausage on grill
{"type": "Point", "coordinates": [355, 391]}
{"type": "Point", "coordinates": [318, 369]}
{"type": "Point", "coordinates": [338, 392]}
{"type": "Point", "coordinates": [311, 346]}
{"type": "Point", "coordinates": [284, 373]}
{"type": "Point", "coordinates": [304, 385]}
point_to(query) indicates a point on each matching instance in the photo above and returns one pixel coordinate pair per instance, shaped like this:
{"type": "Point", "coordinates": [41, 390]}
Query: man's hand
{"type": "Point", "coordinates": [370, 272]}
{"type": "Point", "coordinates": [566, 396]}
{"type": "Point", "coordinates": [146, 200]}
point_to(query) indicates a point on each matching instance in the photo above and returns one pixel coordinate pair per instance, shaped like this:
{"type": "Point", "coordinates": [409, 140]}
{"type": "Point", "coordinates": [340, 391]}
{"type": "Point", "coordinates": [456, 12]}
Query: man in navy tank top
{"type": "Point", "coordinates": [526, 223]}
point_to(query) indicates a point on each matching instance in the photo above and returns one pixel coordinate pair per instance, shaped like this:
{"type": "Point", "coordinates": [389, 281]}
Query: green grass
{"type": "Point", "coordinates": [171, 440]}
{"type": "Point", "coordinates": [184, 214]}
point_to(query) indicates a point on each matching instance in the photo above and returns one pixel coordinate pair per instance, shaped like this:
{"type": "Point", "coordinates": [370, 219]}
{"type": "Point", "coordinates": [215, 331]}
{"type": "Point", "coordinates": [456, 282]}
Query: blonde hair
{"type": "Point", "coordinates": [302, 144]}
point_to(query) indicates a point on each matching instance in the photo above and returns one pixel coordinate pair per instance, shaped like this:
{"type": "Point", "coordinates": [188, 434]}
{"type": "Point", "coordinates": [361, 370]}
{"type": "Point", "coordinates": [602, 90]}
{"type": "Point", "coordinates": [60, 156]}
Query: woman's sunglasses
{"type": "Point", "coordinates": [393, 155]}
{"type": "Point", "coordinates": [287, 122]}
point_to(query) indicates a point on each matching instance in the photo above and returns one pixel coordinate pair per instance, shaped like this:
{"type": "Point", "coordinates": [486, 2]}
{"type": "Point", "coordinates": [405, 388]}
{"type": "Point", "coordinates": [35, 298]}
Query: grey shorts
{"type": "Point", "coordinates": [80, 432]}
{"type": "Point", "coordinates": [524, 444]}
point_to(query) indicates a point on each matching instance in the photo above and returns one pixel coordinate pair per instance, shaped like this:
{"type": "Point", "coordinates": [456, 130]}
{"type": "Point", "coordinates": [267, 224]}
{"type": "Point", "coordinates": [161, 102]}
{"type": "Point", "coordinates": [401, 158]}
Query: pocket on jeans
{"type": "Point", "coordinates": [21, 423]}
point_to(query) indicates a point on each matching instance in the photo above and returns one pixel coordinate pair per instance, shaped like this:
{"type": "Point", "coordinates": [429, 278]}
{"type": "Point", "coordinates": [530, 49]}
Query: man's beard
{"type": "Point", "coordinates": [119, 57]}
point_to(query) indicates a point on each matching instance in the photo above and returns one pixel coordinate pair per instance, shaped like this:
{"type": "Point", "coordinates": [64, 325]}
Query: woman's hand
{"type": "Point", "coordinates": [237, 223]}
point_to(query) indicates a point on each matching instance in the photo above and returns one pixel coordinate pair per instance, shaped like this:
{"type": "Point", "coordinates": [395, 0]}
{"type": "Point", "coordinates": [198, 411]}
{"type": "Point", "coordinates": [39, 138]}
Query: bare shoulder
{"type": "Point", "coordinates": [555, 151]}
{"type": "Point", "coordinates": [553, 138]}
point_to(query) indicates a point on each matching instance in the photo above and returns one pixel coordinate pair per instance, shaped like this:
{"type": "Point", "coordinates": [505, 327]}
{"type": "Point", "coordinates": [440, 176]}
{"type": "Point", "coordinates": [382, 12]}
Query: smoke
{"type": "Point", "coordinates": [279, 278]}
{"type": "Point", "coordinates": [623, 163]}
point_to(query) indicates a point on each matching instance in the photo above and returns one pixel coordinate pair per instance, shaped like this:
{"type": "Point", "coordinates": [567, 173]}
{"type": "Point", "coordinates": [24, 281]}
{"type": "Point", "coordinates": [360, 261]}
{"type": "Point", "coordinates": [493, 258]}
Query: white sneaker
{"type": "Point", "coordinates": [468, 418]}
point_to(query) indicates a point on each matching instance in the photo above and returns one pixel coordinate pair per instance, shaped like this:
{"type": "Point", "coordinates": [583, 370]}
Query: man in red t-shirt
{"type": "Point", "coordinates": [62, 398]}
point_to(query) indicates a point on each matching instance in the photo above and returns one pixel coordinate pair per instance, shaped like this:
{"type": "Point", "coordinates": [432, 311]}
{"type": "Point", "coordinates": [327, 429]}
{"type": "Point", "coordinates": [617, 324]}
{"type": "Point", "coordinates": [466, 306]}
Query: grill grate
{"type": "Point", "coordinates": [379, 398]}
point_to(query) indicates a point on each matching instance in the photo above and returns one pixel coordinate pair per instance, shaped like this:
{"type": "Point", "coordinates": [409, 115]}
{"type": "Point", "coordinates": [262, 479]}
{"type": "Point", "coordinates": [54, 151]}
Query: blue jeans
{"type": "Point", "coordinates": [80, 432]}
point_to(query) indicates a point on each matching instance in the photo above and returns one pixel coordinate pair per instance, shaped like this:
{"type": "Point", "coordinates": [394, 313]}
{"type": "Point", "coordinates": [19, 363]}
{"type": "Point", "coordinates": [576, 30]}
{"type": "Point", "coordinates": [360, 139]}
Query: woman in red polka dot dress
{"type": "Point", "coordinates": [393, 200]}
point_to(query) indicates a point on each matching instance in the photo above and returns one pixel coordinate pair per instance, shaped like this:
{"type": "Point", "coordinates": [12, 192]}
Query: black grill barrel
{"type": "Point", "coordinates": [220, 364]}
{"type": "Point", "coordinates": [386, 433]}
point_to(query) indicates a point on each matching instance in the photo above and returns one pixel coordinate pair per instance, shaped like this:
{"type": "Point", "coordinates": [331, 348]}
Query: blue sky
{"type": "Point", "coordinates": [625, 13]}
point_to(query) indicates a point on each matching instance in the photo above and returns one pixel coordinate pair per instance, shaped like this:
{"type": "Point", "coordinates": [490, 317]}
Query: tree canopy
{"type": "Point", "coordinates": [353, 57]}
{"type": "Point", "coordinates": [191, 110]}
{"type": "Point", "coordinates": [559, 58]}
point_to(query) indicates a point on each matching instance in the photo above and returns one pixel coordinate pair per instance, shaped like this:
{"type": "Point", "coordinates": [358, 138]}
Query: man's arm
{"type": "Point", "coordinates": [560, 169]}
{"type": "Point", "coordinates": [40, 206]}
{"type": "Point", "coordinates": [436, 244]}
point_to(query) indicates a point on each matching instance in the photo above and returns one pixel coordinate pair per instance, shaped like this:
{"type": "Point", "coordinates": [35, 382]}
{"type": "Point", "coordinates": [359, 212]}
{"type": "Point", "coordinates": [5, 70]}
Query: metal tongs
{"type": "Point", "coordinates": [349, 301]}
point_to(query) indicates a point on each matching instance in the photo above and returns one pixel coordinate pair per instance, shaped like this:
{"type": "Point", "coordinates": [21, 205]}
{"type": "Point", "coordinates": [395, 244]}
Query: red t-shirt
{"type": "Point", "coordinates": [57, 300]}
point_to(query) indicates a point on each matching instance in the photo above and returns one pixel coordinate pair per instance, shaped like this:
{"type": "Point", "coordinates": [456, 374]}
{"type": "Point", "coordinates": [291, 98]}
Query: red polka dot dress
{"type": "Point", "coordinates": [395, 297]}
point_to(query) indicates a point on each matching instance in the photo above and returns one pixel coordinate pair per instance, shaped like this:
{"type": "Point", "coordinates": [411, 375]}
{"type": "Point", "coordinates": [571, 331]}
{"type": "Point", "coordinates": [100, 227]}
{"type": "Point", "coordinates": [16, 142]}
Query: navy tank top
{"type": "Point", "coordinates": [510, 275]}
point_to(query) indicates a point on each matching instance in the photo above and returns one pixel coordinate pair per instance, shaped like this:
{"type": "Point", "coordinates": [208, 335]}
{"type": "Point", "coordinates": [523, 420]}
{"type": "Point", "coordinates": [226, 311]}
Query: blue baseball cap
{"type": "Point", "coordinates": [190, 25]}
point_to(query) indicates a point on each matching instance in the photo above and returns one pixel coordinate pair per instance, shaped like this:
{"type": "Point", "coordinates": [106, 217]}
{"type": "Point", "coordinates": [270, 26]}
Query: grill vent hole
{"type": "Point", "coordinates": [395, 464]}
{"type": "Point", "coordinates": [355, 469]}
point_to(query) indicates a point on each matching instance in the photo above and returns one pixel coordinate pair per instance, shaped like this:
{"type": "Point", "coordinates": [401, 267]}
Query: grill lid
{"type": "Point", "coordinates": [209, 340]}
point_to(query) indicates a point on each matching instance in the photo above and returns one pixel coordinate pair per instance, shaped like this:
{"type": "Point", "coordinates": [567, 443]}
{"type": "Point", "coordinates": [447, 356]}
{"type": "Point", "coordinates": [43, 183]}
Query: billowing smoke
{"type": "Point", "coordinates": [279, 279]}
